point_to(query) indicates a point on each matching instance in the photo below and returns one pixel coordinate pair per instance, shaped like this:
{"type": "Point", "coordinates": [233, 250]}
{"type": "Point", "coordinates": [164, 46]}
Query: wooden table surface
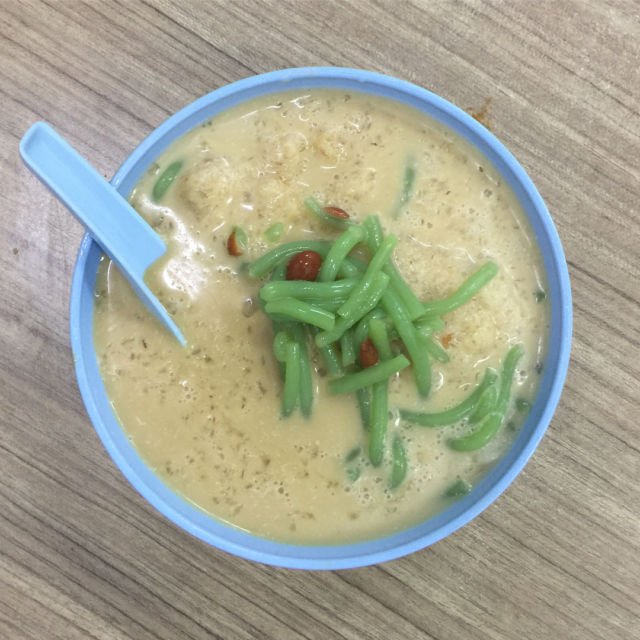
{"type": "Point", "coordinates": [557, 556]}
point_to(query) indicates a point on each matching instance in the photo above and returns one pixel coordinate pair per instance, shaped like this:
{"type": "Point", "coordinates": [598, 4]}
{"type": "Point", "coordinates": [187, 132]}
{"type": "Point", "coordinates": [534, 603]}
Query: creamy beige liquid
{"type": "Point", "coordinates": [206, 418]}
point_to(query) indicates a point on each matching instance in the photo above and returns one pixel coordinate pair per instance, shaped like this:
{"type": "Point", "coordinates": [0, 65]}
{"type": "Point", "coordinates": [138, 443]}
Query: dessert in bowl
{"type": "Point", "coordinates": [377, 311]}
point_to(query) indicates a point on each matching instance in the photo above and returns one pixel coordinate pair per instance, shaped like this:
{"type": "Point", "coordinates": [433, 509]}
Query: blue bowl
{"type": "Point", "coordinates": [431, 530]}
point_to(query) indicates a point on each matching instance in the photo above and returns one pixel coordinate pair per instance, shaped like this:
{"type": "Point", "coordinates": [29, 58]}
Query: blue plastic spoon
{"type": "Point", "coordinates": [112, 222]}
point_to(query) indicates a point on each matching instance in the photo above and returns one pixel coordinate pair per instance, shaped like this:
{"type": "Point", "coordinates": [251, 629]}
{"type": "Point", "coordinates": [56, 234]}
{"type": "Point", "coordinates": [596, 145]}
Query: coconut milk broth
{"type": "Point", "coordinates": [206, 418]}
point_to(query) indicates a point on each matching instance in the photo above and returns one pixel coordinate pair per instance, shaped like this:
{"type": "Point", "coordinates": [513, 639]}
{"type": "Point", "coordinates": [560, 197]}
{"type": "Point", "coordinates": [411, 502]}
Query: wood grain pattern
{"type": "Point", "coordinates": [557, 556]}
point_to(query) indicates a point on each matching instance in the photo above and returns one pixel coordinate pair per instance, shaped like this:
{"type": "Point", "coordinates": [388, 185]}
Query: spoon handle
{"type": "Point", "coordinates": [110, 219]}
{"type": "Point", "coordinates": [112, 222]}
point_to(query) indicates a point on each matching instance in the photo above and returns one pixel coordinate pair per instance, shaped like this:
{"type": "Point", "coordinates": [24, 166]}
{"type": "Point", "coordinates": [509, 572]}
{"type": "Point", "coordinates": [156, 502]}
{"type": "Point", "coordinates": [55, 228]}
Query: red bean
{"type": "Point", "coordinates": [368, 354]}
{"type": "Point", "coordinates": [304, 266]}
{"type": "Point", "coordinates": [337, 212]}
{"type": "Point", "coordinates": [233, 246]}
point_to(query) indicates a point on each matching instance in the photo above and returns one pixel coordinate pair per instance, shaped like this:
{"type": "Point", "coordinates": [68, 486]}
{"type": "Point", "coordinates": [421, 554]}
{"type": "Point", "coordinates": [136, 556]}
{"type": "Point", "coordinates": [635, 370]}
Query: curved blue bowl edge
{"type": "Point", "coordinates": [252, 547]}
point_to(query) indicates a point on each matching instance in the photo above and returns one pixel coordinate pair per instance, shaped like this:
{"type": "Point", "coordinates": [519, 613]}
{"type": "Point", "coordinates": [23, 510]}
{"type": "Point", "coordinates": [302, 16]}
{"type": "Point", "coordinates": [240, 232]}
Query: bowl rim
{"type": "Point", "coordinates": [341, 556]}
